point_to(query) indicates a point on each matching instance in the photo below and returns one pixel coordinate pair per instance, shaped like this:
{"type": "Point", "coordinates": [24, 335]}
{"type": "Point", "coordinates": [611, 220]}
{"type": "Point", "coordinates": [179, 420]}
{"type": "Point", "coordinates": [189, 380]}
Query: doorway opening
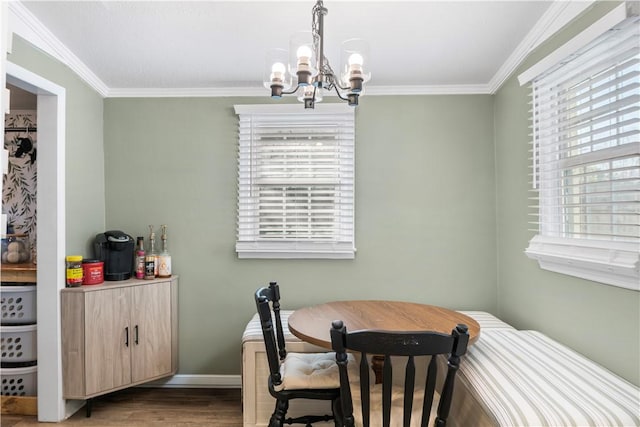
{"type": "Point", "coordinates": [50, 231]}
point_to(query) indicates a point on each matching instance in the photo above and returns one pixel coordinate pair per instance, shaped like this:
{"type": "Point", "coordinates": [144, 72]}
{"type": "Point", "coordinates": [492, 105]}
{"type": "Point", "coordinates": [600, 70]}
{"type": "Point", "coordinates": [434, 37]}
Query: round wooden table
{"type": "Point", "coordinates": [312, 324]}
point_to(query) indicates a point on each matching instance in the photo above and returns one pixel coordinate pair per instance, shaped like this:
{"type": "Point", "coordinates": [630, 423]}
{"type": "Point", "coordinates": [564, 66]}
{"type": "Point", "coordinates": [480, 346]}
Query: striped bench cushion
{"type": "Point", "coordinates": [253, 330]}
{"type": "Point", "coordinates": [524, 378]}
{"type": "Point", "coordinates": [487, 320]}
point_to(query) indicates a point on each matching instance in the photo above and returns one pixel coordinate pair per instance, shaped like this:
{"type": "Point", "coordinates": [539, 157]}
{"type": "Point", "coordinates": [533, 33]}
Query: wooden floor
{"type": "Point", "coordinates": [154, 407]}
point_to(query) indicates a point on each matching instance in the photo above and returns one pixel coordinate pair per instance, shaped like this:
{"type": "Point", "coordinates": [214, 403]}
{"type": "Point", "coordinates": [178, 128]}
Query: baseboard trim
{"type": "Point", "coordinates": [198, 381]}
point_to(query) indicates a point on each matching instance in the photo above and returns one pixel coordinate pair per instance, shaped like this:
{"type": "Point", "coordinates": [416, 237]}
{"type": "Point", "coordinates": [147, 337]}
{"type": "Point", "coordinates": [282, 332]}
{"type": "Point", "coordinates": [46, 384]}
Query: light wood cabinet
{"type": "Point", "coordinates": [118, 334]}
{"type": "Point", "coordinates": [151, 352]}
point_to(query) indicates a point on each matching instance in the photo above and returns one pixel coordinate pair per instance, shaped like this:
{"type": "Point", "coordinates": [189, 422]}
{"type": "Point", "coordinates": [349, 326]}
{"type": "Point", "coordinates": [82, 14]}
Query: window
{"type": "Point", "coordinates": [586, 160]}
{"type": "Point", "coordinates": [295, 181]}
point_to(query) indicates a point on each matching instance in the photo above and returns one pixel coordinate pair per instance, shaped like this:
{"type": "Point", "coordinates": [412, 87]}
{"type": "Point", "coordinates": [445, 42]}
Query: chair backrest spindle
{"type": "Point", "coordinates": [461, 340]}
{"type": "Point", "coordinates": [275, 295]}
{"type": "Point", "coordinates": [268, 306]}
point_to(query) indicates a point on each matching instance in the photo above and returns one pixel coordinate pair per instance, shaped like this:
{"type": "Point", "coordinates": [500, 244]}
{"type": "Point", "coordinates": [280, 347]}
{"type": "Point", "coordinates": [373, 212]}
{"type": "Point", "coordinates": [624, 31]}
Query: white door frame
{"type": "Point", "coordinates": [51, 235]}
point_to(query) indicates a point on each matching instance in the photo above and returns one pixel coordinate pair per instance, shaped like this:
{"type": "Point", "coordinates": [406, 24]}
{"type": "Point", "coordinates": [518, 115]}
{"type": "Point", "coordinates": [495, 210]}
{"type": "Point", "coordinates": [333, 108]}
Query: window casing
{"type": "Point", "coordinates": [586, 161]}
{"type": "Point", "coordinates": [295, 181]}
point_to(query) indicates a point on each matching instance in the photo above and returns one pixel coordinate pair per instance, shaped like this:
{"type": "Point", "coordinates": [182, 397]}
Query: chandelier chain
{"type": "Point", "coordinates": [325, 67]}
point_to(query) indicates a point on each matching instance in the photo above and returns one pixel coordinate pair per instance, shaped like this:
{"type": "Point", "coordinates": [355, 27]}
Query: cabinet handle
{"type": "Point", "coordinates": [136, 334]}
{"type": "Point", "coordinates": [126, 336]}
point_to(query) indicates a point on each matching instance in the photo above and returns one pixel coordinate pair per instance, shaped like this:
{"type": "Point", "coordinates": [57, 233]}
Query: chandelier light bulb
{"type": "Point", "coordinates": [276, 76]}
{"type": "Point", "coordinates": [353, 56]}
{"type": "Point", "coordinates": [304, 53]}
{"type": "Point", "coordinates": [304, 65]}
{"type": "Point", "coordinates": [355, 72]}
{"type": "Point", "coordinates": [277, 72]}
{"type": "Point", "coordinates": [278, 67]}
{"type": "Point", "coordinates": [356, 59]}
{"type": "Point", "coordinates": [277, 79]}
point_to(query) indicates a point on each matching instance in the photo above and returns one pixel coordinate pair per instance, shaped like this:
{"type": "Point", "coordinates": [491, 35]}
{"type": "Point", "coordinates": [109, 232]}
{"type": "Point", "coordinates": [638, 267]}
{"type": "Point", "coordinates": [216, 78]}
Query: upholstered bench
{"type": "Point", "coordinates": [507, 378]}
{"type": "Point", "coordinates": [257, 404]}
{"type": "Point", "coordinates": [524, 378]}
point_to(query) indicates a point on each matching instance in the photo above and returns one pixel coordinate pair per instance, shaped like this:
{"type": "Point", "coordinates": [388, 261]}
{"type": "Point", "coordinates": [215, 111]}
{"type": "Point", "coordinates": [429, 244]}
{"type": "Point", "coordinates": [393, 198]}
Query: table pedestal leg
{"type": "Point", "coordinates": [377, 362]}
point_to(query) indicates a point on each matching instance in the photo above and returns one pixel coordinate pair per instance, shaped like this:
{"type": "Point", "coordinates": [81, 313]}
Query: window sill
{"type": "Point", "coordinates": [295, 250]}
{"type": "Point", "coordinates": [611, 263]}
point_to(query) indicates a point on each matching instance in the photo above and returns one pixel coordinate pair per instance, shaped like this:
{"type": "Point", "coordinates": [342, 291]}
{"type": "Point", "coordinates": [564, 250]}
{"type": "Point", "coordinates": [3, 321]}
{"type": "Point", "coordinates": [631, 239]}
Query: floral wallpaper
{"type": "Point", "coordinates": [19, 184]}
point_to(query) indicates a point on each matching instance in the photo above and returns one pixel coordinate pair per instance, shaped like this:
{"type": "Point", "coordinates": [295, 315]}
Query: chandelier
{"type": "Point", "coordinates": [313, 73]}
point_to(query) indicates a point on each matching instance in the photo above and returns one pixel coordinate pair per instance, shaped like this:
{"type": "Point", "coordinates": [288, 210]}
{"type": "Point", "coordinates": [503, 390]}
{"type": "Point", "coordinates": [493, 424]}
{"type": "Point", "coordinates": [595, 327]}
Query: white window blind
{"type": "Point", "coordinates": [295, 182]}
{"type": "Point", "coordinates": [586, 160]}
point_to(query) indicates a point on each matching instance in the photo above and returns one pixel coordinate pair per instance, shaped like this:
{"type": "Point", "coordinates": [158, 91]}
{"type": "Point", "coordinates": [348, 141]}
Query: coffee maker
{"type": "Point", "coordinates": [115, 249]}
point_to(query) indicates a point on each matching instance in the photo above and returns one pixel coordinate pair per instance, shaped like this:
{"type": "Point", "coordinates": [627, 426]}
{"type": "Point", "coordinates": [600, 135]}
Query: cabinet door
{"type": "Point", "coordinates": [151, 323]}
{"type": "Point", "coordinates": [108, 339]}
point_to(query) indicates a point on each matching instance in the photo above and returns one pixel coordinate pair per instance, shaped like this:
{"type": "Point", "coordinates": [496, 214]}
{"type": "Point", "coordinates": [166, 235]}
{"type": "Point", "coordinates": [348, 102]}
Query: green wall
{"type": "Point", "coordinates": [599, 321]}
{"type": "Point", "coordinates": [425, 211]}
{"type": "Point", "coordinates": [85, 210]}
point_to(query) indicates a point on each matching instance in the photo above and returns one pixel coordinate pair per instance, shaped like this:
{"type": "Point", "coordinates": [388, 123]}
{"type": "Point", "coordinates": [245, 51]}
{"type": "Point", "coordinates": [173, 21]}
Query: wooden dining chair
{"type": "Point", "coordinates": [391, 403]}
{"type": "Point", "coordinates": [293, 375]}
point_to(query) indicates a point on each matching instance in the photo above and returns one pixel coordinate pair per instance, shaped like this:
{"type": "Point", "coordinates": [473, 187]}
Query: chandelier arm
{"type": "Point", "coordinates": [338, 93]}
{"type": "Point", "coordinates": [292, 91]}
{"type": "Point", "coordinates": [342, 87]}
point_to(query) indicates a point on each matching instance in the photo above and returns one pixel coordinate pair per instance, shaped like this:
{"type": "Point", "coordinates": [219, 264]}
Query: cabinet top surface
{"type": "Point", "coordinates": [119, 284]}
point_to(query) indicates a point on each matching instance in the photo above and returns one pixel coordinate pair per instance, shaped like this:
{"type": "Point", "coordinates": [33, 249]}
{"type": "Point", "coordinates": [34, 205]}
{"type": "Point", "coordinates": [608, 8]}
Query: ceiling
{"type": "Point", "coordinates": [153, 45]}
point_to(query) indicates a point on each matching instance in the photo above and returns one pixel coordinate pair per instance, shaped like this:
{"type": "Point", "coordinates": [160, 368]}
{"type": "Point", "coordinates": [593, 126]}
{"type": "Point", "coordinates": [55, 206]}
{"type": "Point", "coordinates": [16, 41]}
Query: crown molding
{"type": "Point", "coordinates": [559, 14]}
{"type": "Point", "coordinates": [260, 92]}
{"type": "Point", "coordinates": [428, 90]}
{"type": "Point", "coordinates": [23, 23]}
{"type": "Point", "coordinates": [187, 92]}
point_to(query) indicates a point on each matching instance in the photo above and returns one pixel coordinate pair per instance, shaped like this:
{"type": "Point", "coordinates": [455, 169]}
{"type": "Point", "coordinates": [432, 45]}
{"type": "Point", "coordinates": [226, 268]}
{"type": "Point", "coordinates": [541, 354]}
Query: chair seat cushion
{"type": "Point", "coordinates": [309, 371]}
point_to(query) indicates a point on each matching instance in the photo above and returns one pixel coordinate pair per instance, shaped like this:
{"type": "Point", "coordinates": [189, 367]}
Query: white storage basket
{"type": "Point", "coordinates": [18, 304]}
{"type": "Point", "coordinates": [19, 381]}
{"type": "Point", "coordinates": [18, 343]}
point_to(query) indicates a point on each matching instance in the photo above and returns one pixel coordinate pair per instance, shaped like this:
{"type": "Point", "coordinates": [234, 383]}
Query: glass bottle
{"type": "Point", "coordinates": [152, 250]}
{"type": "Point", "coordinates": [164, 259]}
{"type": "Point", "coordinates": [149, 266]}
{"type": "Point", "coordinates": [140, 258]}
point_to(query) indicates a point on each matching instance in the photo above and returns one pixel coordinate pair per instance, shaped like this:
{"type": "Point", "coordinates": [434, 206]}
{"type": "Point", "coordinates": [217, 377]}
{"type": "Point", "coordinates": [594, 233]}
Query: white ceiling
{"type": "Point", "coordinates": [133, 45]}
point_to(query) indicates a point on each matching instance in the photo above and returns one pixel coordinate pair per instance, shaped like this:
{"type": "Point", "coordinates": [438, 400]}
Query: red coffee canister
{"type": "Point", "coordinates": [93, 272]}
